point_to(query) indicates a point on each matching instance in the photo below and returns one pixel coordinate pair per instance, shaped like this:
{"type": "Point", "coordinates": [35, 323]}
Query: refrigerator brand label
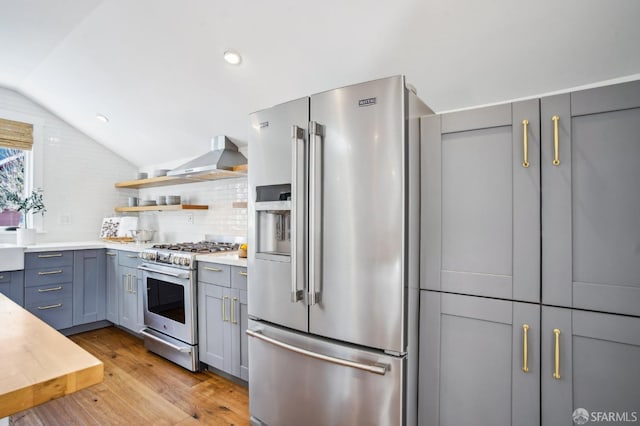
{"type": "Point", "coordinates": [366, 102]}
{"type": "Point", "coordinates": [264, 124]}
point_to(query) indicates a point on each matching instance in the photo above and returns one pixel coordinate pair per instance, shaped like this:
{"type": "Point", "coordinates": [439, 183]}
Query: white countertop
{"type": "Point", "coordinates": [223, 258]}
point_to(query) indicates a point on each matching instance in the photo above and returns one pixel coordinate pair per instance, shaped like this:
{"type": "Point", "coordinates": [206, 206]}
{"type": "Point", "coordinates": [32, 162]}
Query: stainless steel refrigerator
{"type": "Point", "coordinates": [333, 257]}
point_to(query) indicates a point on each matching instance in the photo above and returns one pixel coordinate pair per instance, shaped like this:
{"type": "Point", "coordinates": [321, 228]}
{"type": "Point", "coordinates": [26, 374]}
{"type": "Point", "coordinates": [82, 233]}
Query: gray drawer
{"type": "Point", "coordinates": [239, 277]}
{"type": "Point", "coordinates": [128, 258]}
{"type": "Point", "coordinates": [214, 273]}
{"type": "Point", "coordinates": [58, 314]}
{"type": "Point", "coordinates": [48, 259]}
{"type": "Point", "coordinates": [47, 276]}
{"type": "Point", "coordinates": [48, 293]}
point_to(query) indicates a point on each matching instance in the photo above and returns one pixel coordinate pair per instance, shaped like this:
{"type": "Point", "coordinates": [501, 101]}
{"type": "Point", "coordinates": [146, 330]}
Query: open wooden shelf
{"type": "Point", "coordinates": [162, 208]}
{"type": "Point", "coordinates": [238, 171]}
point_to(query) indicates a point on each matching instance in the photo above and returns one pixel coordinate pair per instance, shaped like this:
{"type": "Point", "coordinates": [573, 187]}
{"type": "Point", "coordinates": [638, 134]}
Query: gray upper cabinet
{"type": "Point", "coordinates": [89, 286]}
{"type": "Point", "coordinates": [472, 361]}
{"type": "Point", "coordinates": [597, 364]}
{"type": "Point", "coordinates": [480, 232]}
{"type": "Point", "coordinates": [591, 199]}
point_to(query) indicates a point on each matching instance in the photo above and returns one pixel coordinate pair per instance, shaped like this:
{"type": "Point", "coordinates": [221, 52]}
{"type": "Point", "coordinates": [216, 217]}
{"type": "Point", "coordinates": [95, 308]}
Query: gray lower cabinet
{"type": "Point", "coordinates": [12, 285]}
{"type": "Point", "coordinates": [130, 310]}
{"type": "Point", "coordinates": [48, 281]}
{"type": "Point", "coordinates": [593, 364]}
{"type": "Point", "coordinates": [223, 318]}
{"type": "Point", "coordinates": [591, 199]}
{"type": "Point", "coordinates": [480, 205]}
{"type": "Point", "coordinates": [89, 289]}
{"type": "Point", "coordinates": [112, 281]}
{"type": "Point", "coordinates": [472, 361]}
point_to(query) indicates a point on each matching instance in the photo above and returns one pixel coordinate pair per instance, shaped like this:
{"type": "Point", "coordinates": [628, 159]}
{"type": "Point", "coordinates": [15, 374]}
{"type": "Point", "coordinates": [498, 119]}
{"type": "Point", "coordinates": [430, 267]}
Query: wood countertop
{"type": "Point", "coordinates": [38, 364]}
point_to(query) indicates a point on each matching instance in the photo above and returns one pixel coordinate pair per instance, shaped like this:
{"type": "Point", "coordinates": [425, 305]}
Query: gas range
{"type": "Point", "coordinates": [183, 255]}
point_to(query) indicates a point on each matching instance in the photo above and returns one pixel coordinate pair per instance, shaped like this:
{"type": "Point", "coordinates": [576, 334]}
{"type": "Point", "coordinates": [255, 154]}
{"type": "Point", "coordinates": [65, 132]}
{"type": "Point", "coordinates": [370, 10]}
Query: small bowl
{"type": "Point", "coordinates": [173, 199]}
{"type": "Point", "coordinates": [142, 175]}
{"type": "Point", "coordinates": [161, 200]}
{"type": "Point", "coordinates": [147, 203]}
{"type": "Point", "coordinates": [160, 172]}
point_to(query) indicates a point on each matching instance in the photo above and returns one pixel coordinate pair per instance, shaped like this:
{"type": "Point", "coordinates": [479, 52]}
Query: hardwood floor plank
{"type": "Point", "coordinates": [142, 388]}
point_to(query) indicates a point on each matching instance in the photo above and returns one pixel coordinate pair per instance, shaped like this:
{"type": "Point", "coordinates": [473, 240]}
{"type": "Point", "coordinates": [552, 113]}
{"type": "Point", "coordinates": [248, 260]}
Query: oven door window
{"type": "Point", "coordinates": [166, 299]}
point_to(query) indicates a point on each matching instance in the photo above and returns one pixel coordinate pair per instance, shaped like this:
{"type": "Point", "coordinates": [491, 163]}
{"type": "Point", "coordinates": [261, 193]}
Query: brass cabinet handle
{"type": "Point", "coordinates": [207, 268]}
{"type": "Point", "coordinates": [46, 256]}
{"type": "Point", "coordinates": [132, 256]}
{"type": "Point", "coordinates": [525, 348]}
{"type": "Point", "coordinates": [1, 277]}
{"type": "Point", "coordinates": [134, 284]}
{"type": "Point", "coordinates": [556, 141]}
{"type": "Point", "coordinates": [46, 290]}
{"type": "Point", "coordinates": [233, 315]}
{"type": "Point", "coordinates": [525, 143]}
{"type": "Point", "coordinates": [224, 317]}
{"type": "Point", "coordinates": [556, 373]}
{"type": "Point", "coordinates": [244, 274]}
{"type": "Point", "coordinates": [42, 308]}
{"type": "Point", "coordinates": [111, 254]}
{"type": "Point", "coordinates": [57, 271]}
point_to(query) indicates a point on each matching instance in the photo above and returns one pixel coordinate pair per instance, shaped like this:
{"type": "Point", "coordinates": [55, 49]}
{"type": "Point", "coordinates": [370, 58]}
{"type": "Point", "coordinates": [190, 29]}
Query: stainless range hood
{"type": "Point", "coordinates": [220, 160]}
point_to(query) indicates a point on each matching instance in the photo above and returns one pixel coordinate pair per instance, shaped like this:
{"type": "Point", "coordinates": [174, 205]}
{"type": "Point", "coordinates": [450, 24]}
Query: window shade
{"type": "Point", "coordinates": [14, 134]}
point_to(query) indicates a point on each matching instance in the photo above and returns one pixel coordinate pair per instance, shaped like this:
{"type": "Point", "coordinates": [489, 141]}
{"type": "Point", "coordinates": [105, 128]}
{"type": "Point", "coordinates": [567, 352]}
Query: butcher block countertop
{"type": "Point", "coordinates": [38, 364]}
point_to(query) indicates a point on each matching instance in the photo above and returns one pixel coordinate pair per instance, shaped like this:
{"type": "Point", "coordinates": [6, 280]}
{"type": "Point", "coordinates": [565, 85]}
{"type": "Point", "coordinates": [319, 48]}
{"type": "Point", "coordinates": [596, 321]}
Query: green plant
{"type": "Point", "coordinates": [33, 203]}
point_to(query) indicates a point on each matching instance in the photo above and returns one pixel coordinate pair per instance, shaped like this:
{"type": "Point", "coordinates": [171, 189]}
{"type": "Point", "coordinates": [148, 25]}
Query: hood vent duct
{"type": "Point", "coordinates": [218, 162]}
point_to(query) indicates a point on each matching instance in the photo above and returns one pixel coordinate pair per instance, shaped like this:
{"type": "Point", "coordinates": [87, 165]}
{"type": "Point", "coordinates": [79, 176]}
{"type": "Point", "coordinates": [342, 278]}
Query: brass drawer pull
{"type": "Point", "coordinates": [556, 372]}
{"type": "Point", "coordinates": [1, 277]}
{"type": "Point", "coordinates": [233, 315]}
{"type": "Point", "coordinates": [556, 141]}
{"type": "Point", "coordinates": [525, 142]}
{"type": "Point", "coordinates": [212, 269]}
{"type": "Point", "coordinates": [46, 290]}
{"type": "Point", "coordinates": [42, 308]}
{"type": "Point", "coordinates": [47, 256]}
{"type": "Point", "coordinates": [244, 274]}
{"type": "Point", "coordinates": [111, 254]}
{"type": "Point", "coordinates": [132, 256]}
{"type": "Point", "coordinates": [525, 348]}
{"type": "Point", "coordinates": [59, 271]}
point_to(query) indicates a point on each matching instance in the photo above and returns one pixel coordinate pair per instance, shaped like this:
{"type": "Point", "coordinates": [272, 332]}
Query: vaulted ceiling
{"type": "Point", "coordinates": [155, 68]}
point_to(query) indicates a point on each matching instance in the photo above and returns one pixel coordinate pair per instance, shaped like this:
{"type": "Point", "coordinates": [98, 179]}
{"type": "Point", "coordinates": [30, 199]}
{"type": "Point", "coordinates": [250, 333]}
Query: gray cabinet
{"type": "Point", "coordinates": [480, 206]}
{"type": "Point", "coordinates": [112, 281]}
{"type": "Point", "coordinates": [591, 199]}
{"type": "Point", "coordinates": [49, 287]}
{"type": "Point", "coordinates": [597, 366]}
{"type": "Point", "coordinates": [223, 318]}
{"type": "Point", "coordinates": [130, 310]}
{"type": "Point", "coordinates": [472, 361]}
{"type": "Point", "coordinates": [89, 290]}
{"type": "Point", "coordinates": [12, 285]}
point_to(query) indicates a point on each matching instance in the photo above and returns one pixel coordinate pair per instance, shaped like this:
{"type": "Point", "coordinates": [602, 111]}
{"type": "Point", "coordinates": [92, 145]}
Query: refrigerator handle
{"type": "Point", "coordinates": [297, 216]}
{"type": "Point", "coordinates": [371, 368]}
{"type": "Point", "coordinates": [315, 212]}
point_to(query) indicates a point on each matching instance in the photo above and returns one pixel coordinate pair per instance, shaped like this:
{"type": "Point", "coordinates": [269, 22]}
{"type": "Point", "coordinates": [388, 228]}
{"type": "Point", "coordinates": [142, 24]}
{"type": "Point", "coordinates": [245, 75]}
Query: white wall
{"type": "Point", "coordinates": [76, 173]}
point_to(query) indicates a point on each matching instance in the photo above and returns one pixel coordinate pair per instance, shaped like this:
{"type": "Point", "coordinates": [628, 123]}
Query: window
{"type": "Point", "coordinates": [16, 140]}
{"type": "Point", "coordinates": [11, 180]}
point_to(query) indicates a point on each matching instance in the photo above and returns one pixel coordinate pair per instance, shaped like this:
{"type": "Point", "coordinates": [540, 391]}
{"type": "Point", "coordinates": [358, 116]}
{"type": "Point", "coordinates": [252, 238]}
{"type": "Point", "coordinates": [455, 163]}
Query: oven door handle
{"type": "Point", "coordinates": [164, 342]}
{"type": "Point", "coordinates": [171, 274]}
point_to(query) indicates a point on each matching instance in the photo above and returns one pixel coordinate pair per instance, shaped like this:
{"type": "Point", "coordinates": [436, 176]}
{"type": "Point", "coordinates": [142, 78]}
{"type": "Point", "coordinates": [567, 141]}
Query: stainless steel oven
{"type": "Point", "coordinates": [170, 313]}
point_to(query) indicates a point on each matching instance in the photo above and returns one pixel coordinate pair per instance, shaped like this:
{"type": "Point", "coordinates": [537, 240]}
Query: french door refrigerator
{"type": "Point", "coordinates": [333, 257]}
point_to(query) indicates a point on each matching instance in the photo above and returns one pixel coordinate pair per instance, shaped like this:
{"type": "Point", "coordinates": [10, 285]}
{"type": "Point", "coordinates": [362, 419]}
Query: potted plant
{"type": "Point", "coordinates": [33, 203]}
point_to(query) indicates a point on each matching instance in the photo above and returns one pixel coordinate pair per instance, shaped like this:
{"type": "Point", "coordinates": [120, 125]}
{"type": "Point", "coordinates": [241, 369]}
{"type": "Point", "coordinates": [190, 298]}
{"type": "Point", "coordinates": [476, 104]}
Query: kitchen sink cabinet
{"type": "Point", "coordinates": [472, 362]}
{"type": "Point", "coordinates": [223, 319]}
{"type": "Point", "coordinates": [591, 199]}
{"type": "Point", "coordinates": [480, 204]}
{"type": "Point", "coordinates": [12, 285]}
{"type": "Point", "coordinates": [112, 281]}
{"type": "Point", "coordinates": [89, 289]}
{"type": "Point", "coordinates": [130, 310]}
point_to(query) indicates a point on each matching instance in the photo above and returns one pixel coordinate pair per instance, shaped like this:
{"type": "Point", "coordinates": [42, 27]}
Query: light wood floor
{"type": "Point", "coordinates": [141, 388]}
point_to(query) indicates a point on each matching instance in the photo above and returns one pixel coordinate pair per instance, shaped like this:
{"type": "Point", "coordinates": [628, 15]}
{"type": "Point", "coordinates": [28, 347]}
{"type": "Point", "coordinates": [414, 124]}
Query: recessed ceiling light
{"type": "Point", "coordinates": [102, 118]}
{"type": "Point", "coordinates": [232, 57]}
